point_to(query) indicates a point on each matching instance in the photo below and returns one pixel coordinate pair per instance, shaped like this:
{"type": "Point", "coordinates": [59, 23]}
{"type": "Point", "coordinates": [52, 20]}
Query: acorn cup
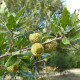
{"type": "Point", "coordinates": [50, 46]}
{"type": "Point", "coordinates": [35, 38]}
{"type": "Point", "coordinates": [37, 49]}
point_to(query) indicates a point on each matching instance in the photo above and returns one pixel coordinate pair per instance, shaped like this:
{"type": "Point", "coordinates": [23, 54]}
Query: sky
{"type": "Point", "coordinates": [72, 5]}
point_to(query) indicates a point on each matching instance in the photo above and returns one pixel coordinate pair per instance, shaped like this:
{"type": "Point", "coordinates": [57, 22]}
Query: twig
{"type": "Point", "coordinates": [52, 40]}
{"type": "Point", "coordinates": [36, 64]}
{"type": "Point", "coordinates": [30, 48]}
{"type": "Point", "coordinates": [11, 41]}
{"type": "Point", "coordinates": [39, 61]}
{"type": "Point", "coordinates": [42, 43]}
{"type": "Point", "coordinates": [24, 49]}
{"type": "Point", "coordinates": [7, 54]}
{"type": "Point", "coordinates": [11, 44]}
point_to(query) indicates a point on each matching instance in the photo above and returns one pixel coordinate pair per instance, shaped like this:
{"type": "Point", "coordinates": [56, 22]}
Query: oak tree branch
{"type": "Point", "coordinates": [7, 54]}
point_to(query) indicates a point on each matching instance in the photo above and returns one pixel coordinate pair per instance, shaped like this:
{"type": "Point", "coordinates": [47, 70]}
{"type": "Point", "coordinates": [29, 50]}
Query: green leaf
{"type": "Point", "coordinates": [1, 41]}
{"type": "Point", "coordinates": [26, 74]}
{"type": "Point", "coordinates": [72, 19]}
{"type": "Point", "coordinates": [3, 11]}
{"type": "Point", "coordinates": [3, 7]}
{"type": "Point", "coordinates": [1, 38]}
{"type": "Point", "coordinates": [15, 53]}
{"type": "Point", "coordinates": [54, 28]}
{"type": "Point", "coordinates": [54, 18]}
{"type": "Point", "coordinates": [11, 61]}
{"type": "Point", "coordinates": [46, 55]}
{"type": "Point", "coordinates": [16, 32]}
{"type": "Point", "coordinates": [11, 22]}
{"type": "Point", "coordinates": [62, 45]}
{"type": "Point", "coordinates": [20, 24]}
{"type": "Point", "coordinates": [19, 13]}
{"type": "Point", "coordinates": [24, 57]}
{"type": "Point", "coordinates": [44, 38]}
{"type": "Point", "coordinates": [27, 42]}
{"type": "Point", "coordinates": [26, 53]}
{"type": "Point", "coordinates": [3, 31]}
{"type": "Point", "coordinates": [68, 29]}
{"type": "Point", "coordinates": [65, 40]}
{"type": "Point", "coordinates": [75, 35]}
{"type": "Point", "coordinates": [64, 17]}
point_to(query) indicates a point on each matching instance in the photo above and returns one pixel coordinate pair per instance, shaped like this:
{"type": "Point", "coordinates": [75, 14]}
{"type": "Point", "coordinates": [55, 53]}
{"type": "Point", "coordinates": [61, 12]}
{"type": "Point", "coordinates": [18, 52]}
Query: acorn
{"type": "Point", "coordinates": [12, 68]}
{"type": "Point", "coordinates": [37, 49]}
{"type": "Point", "coordinates": [51, 46]}
{"type": "Point", "coordinates": [35, 38]}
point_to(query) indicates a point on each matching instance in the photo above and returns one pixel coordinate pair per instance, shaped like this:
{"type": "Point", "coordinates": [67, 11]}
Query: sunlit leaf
{"type": "Point", "coordinates": [72, 19]}
{"type": "Point", "coordinates": [64, 17]}
{"type": "Point", "coordinates": [54, 28]}
{"type": "Point", "coordinates": [19, 13]}
{"type": "Point", "coordinates": [65, 40]}
{"type": "Point", "coordinates": [75, 35]}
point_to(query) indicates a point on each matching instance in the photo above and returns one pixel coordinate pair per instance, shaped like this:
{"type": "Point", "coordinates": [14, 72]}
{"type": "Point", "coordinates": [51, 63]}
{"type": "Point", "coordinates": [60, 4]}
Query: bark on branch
{"type": "Point", "coordinates": [7, 54]}
{"type": "Point", "coordinates": [52, 40]}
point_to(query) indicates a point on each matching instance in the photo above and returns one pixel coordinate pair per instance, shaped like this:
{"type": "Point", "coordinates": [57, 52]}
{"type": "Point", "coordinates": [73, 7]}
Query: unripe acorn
{"type": "Point", "coordinates": [50, 46]}
{"type": "Point", "coordinates": [35, 38]}
{"type": "Point", "coordinates": [37, 49]}
{"type": "Point", "coordinates": [12, 68]}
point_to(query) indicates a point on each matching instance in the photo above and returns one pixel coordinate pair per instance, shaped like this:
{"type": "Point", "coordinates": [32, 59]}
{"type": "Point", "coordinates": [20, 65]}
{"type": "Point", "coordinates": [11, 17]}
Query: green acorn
{"type": "Point", "coordinates": [12, 68]}
{"type": "Point", "coordinates": [35, 38]}
{"type": "Point", "coordinates": [37, 49]}
{"type": "Point", "coordinates": [50, 46]}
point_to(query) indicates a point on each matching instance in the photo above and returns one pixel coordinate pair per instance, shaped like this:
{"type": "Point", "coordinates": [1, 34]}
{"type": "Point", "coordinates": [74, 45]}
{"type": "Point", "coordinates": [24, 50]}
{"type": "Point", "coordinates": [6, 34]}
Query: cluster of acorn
{"type": "Point", "coordinates": [37, 48]}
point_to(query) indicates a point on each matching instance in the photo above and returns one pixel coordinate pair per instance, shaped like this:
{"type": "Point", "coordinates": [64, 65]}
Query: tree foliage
{"type": "Point", "coordinates": [36, 12]}
{"type": "Point", "coordinates": [14, 35]}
